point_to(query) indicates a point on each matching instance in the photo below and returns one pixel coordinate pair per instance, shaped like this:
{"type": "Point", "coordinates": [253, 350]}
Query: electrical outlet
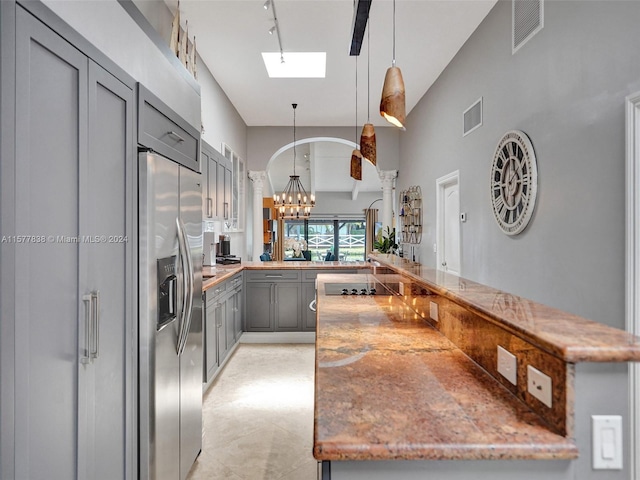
{"type": "Point", "coordinates": [606, 432]}
{"type": "Point", "coordinates": [433, 311]}
{"type": "Point", "coordinates": [539, 385]}
{"type": "Point", "coordinates": [507, 365]}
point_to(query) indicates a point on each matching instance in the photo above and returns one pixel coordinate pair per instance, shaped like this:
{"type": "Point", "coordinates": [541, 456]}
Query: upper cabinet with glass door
{"type": "Point", "coordinates": [234, 221]}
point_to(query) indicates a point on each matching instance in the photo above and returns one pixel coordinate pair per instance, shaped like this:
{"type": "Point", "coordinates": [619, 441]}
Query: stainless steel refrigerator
{"type": "Point", "coordinates": [170, 328]}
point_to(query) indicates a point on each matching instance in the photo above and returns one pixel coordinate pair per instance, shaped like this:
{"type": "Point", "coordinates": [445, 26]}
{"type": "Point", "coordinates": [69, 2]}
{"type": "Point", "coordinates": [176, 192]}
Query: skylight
{"type": "Point", "coordinates": [296, 64]}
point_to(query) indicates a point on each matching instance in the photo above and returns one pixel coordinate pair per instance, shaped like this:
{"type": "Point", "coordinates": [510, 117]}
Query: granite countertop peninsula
{"type": "Point", "coordinates": [390, 386]}
{"type": "Point", "coordinates": [214, 275]}
{"type": "Point", "coordinates": [568, 337]}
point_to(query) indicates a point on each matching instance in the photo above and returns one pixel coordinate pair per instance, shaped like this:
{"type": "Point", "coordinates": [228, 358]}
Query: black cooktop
{"type": "Point", "coordinates": [356, 289]}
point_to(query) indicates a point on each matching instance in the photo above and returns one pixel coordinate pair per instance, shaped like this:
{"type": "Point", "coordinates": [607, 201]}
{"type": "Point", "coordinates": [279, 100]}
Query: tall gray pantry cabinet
{"type": "Point", "coordinates": [67, 253]}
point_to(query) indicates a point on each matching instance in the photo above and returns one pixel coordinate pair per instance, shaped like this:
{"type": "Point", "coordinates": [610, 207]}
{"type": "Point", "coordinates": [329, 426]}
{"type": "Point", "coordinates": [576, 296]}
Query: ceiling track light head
{"type": "Point", "coordinates": [272, 29]}
{"type": "Point", "coordinates": [267, 4]}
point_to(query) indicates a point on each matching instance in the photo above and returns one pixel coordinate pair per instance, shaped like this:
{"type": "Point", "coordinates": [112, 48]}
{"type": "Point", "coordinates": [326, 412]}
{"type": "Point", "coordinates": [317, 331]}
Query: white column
{"type": "Point", "coordinates": [388, 180]}
{"type": "Point", "coordinates": [257, 179]}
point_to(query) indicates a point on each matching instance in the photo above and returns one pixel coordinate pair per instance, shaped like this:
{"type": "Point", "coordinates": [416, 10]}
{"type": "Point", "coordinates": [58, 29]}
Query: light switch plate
{"type": "Point", "coordinates": [433, 311]}
{"type": "Point", "coordinates": [606, 434]}
{"type": "Point", "coordinates": [507, 365]}
{"type": "Point", "coordinates": [539, 385]}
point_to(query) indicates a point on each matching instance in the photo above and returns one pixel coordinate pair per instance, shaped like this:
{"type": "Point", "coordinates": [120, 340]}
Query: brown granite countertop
{"type": "Point", "coordinates": [224, 272]}
{"type": "Point", "coordinates": [389, 386]}
{"type": "Point", "coordinates": [569, 337]}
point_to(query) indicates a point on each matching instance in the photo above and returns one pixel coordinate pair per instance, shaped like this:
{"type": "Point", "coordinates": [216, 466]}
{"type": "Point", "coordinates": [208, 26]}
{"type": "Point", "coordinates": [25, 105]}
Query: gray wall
{"type": "Point", "coordinates": [330, 203]}
{"type": "Point", "coordinates": [566, 89]}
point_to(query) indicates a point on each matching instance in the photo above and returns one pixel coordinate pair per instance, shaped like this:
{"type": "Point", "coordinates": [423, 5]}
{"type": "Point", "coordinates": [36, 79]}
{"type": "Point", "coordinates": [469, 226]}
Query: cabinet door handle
{"type": "Point", "coordinates": [209, 207]}
{"type": "Point", "coordinates": [88, 325]}
{"type": "Point", "coordinates": [275, 295]}
{"type": "Point", "coordinates": [176, 136]}
{"type": "Point", "coordinates": [226, 210]}
{"type": "Point", "coordinates": [273, 275]}
{"type": "Point", "coordinates": [96, 329]}
{"type": "Point", "coordinates": [92, 327]}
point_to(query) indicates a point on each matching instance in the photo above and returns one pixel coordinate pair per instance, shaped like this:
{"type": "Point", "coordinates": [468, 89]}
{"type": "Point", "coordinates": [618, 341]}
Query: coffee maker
{"type": "Point", "coordinates": [224, 256]}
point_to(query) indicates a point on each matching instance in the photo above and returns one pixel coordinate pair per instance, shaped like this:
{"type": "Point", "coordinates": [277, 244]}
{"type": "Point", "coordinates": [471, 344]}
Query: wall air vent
{"type": "Point", "coordinates": [472, 117]}
{"type": "Point", "coordinates": [527, 20]}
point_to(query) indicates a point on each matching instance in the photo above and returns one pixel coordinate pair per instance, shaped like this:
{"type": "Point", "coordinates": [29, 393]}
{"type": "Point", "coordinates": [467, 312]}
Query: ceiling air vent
{"type": "Point", "coordinates": [472, 117]}
{"type": "Point", "coordinates": [527, 19]}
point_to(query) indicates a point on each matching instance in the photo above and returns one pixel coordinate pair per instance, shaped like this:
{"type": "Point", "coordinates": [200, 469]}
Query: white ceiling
{"type": "Point", "coordinates": [231, 34]}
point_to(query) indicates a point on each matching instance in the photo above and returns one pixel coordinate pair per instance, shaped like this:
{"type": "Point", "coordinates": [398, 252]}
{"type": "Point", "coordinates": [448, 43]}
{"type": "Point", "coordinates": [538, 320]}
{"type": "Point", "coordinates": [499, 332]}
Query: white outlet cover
{"type": "Point", "coordinates": [507, 365]}
{"type": "Point", "coordinates": [539, 385]}
{"type": "Point", "coordinates": [433, 311]}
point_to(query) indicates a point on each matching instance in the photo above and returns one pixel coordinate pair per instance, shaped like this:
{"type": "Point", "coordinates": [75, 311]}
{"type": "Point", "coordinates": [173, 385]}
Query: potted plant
{"type": "Point", "coordinates": [386, 241]}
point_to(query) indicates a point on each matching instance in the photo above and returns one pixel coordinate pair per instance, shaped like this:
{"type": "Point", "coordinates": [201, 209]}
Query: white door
{"type": "Point", "coordinates": [448, 223]}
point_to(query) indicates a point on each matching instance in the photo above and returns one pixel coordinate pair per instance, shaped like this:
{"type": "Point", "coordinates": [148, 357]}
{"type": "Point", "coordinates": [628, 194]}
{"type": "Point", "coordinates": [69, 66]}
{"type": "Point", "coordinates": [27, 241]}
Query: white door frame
{"type": "Point", "coordinates": [632, 307]}
{"type": "Point", "coordinates": [441, 183]}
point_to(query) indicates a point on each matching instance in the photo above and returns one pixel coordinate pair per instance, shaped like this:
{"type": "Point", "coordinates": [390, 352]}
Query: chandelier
{"type": "Point", "coordinates": [294, 202]}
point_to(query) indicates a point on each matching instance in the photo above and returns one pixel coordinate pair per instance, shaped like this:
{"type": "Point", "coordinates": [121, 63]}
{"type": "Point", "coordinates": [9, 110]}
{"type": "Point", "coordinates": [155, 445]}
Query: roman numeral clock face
{"type": "Point", "coordinates": [514, 181]}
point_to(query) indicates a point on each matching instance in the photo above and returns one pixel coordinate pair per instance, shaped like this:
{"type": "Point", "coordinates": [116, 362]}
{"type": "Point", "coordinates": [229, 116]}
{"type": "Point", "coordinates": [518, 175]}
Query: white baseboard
{"type": "Point", "coordinates": [278, 337]}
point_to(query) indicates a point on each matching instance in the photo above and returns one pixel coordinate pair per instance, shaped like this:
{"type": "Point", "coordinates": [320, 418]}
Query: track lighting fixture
{"type": "Point", "coordinates": [272, 29]}
{"type": "Point", "coordinates": [266, 5]}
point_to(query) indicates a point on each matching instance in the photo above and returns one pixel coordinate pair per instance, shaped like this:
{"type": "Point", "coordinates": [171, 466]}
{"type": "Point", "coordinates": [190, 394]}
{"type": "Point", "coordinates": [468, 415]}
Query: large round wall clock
{"type": "Point", "coordinates": [514, 182]}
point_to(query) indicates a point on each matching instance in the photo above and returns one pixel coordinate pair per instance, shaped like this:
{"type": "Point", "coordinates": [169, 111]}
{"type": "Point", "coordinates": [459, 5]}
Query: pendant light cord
{"type": "Point", "coordinates": [294, 105]}
{"type": "Point", "coordinates": [368, 71]}
{"type": "Point", "coordinates": [356, 100]}
{"type": "Point", "coordinates": [393, 63]}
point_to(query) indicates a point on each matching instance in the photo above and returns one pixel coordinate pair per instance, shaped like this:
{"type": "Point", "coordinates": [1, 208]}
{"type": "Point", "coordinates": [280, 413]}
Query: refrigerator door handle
{"type": "Point", "coordinates": [185, 287]}
{"type": "Point", "coordinates": [189, 281]}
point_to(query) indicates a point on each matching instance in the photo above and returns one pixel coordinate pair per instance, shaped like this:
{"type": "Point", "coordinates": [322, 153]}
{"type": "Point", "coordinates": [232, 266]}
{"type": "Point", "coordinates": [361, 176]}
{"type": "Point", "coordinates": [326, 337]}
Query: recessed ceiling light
{"type": "Point", "coordinates": [295, 64]}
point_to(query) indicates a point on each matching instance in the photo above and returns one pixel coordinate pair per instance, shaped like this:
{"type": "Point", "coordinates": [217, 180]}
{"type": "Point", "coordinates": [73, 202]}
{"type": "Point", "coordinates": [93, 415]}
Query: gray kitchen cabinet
{"type": "Point", "coordinates": [209, 167]}
{"type": "Point", "coordinates": [223, 314]}
{"type": "Point", "coordinates": [216, 169]}
{"type": "Point", "coordinates": [258, 307]}
{"type": "Point", "coordinates": [234, 310]}
{"type": "Point", "coordinates": [309, 316]}
{"type": "Point", "coordinates": [220, 316]}
{"type": "Point", "coordinates": [238, 309]}
{"type": "Point", "coordinates": [224, 188]}
{"type": "Point", "coordinates": [273, 301]}
{"type": "Point", "coordinates": [287, 308]}
{"type": "Point", "coordinates": [72, 379]}
{"type": "Point", "coordinates": [210, 340]}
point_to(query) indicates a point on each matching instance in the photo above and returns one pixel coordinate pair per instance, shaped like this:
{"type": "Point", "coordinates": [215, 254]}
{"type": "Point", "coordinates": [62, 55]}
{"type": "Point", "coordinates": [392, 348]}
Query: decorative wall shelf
{"type": "Point", "coordinates": [411, 215]}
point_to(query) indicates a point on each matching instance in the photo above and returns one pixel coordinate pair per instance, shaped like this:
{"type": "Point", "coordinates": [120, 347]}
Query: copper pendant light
{"type": "Point", "coordinates": [392, 103]}
{"type": "Point", "coordinates": [356, 165]}
{"type": "Point", "coordinates": [368, 143]}
{"type": "Point", "coordinates": [368, 136]}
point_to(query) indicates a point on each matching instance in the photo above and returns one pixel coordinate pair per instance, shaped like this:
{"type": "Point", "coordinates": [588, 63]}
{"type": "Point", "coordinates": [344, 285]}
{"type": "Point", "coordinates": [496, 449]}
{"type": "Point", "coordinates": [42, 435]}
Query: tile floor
{"type": "Point", "coordinates": [258, 417]}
